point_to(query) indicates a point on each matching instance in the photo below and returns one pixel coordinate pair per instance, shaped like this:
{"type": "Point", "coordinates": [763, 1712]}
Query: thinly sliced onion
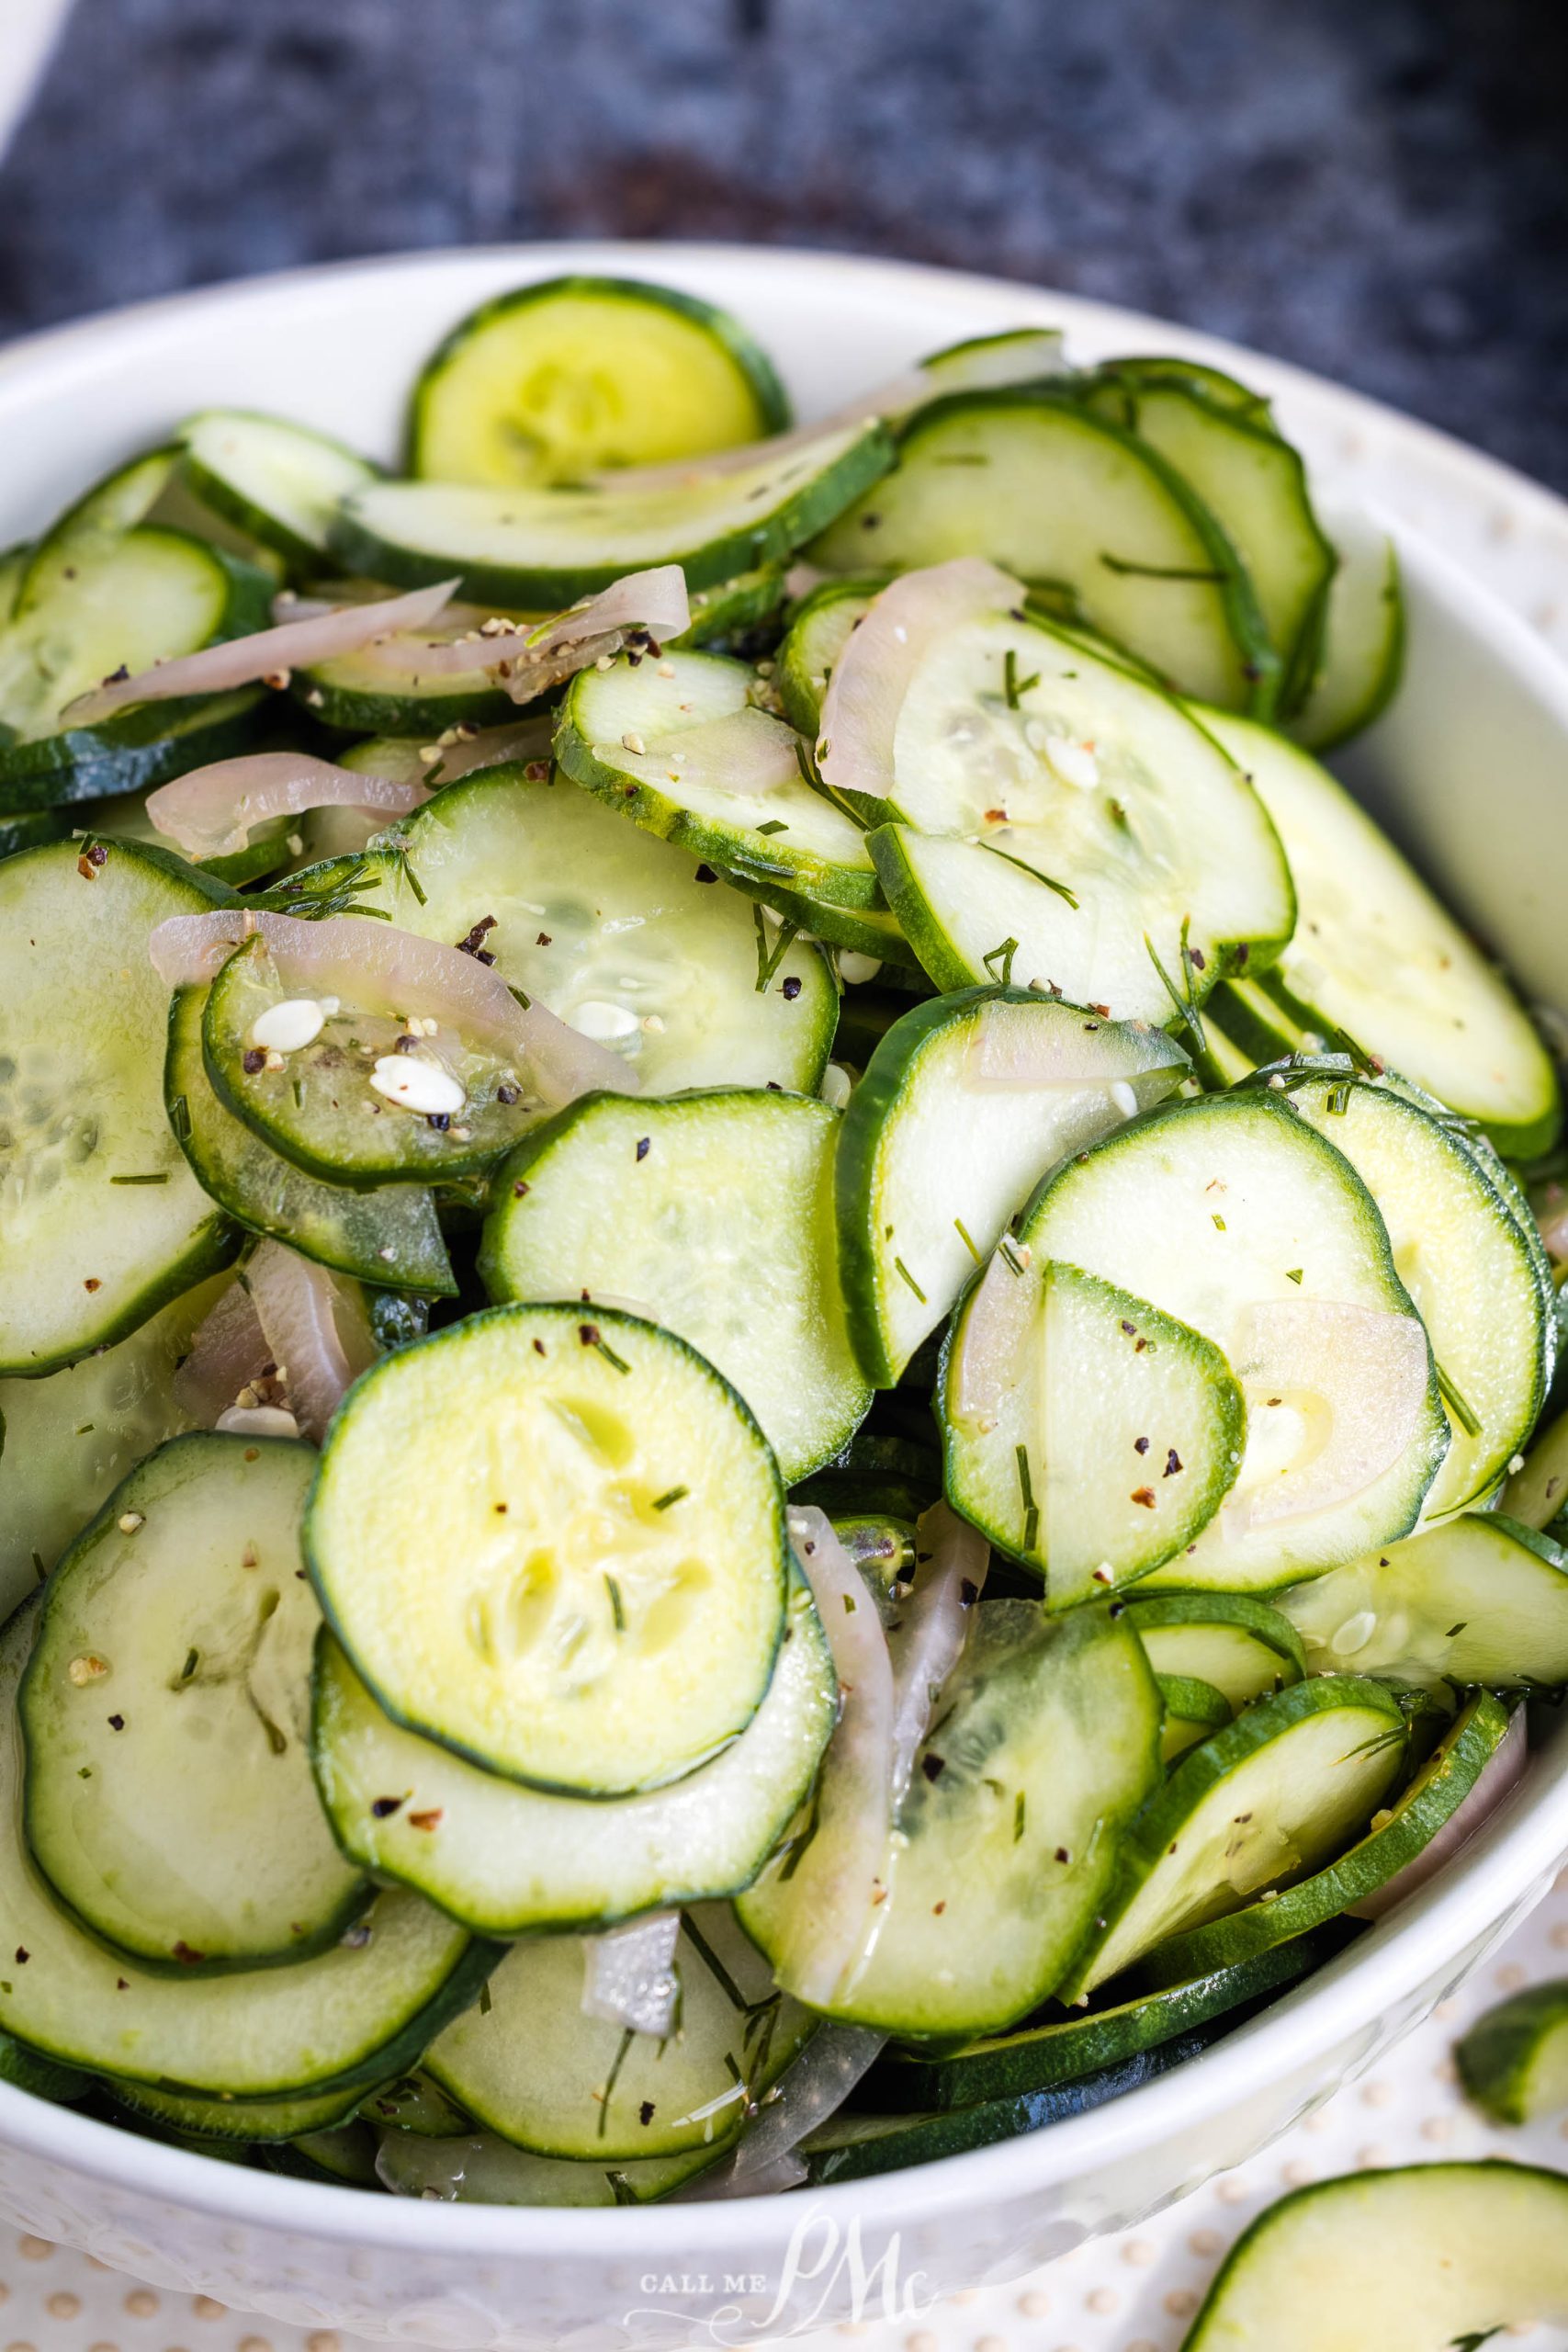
{"type": "Point", "coordinates": [459, 751]}
{"type": "Point", "coordinates": [1501, 1773]}
{"type": "Point", "coordinates": [267, 653]}
{"type": "Point", "coordinates": [355, 961]}
{"type": "Point", "coordinates": [841, 1871]}
{"type": "Point", "coordinates": [950, 1562]}
{"type": "Point", "coordinates": [1554, 1232]}
{"type": "Point", "coordinates": [316, 1329]}
{"type": "Point", "coordinates": [528, 657]}
{"type": "Point", "coordinates": [629, 1978]}
{"type": "Point", "coordinates": [808, 2094]}
{"type": "Point", "coordinates": [228, 1353]}
{"type": "Point", "coordinates": [873, 674]}
{"type": "Point", "coordinates": [996, 1348]}
{"type": "Point", "coordinates": [210, 811]}
{"type": "Point", "coordinates": [1353, 1382]}
{"type": "Point", "coordinates": [900, 392]}
{"type": "Point", "coordinates": [747, 750]}
{"type": "Point", "coordinates": [1011, 1051]}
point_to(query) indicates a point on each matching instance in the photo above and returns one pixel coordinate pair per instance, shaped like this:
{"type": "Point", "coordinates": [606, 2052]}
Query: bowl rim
{"type": "Point", "coordinates": [1505, 1867]}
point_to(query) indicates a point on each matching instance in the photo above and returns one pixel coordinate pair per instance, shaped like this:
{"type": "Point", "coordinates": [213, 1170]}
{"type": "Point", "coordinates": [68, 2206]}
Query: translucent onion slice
{"type": "Point", "coordinates": [318, 1334]}
{"type": "Point", "coordinates": [841, 1870]}
{"type": "Point", "coordinates": [629, 1975]}
{"type": "Point", "coordinates": [228, 1353]}
{"type": "Point", "coordinates": [210, 811]}
{"type": "Point", "coordinates": [528, 657]}
{"type": "Point", "coordinates": [748, 751]}
{"type": "Point", "coordinates": [361, 962]}
{"type": "Point", "coordinates": [950, 1561]}
{"type": "Point", "coordinates": [873, 673]}
{"type": "Point", "coordinates": [900, 392]}
{"type": "Point", "coordinates": [1011, 1052]}
{"type": "Point", "coordinates": [808, 2094]}
{"type": "Point", "coordinates": [267, 653]}
{"type": "Point", "coordinates": [998, 1341]}
{"type": "Point", "coordinates": [1335, 1395]}
{"type": "Point", "coordinates": [1501, 1773]}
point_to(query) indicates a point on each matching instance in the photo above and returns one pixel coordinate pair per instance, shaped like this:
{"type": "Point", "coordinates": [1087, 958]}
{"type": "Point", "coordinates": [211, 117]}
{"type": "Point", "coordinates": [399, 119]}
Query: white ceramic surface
{"type": "Point", "coordinates": [1468, 763]}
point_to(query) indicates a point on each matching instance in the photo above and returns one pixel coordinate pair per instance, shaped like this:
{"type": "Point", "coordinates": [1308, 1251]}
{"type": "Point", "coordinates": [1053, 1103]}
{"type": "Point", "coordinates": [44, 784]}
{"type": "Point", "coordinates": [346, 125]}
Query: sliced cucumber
{"type": "Point", "coordinates": [533, 2068]}
{"type": "Point", "coordinates": [1234, 1215]}
{"type": "Point", "coordinates": [1514, 2061]}
{"type": "Point", "coordinates": [505, 1861]}
{"type": "Point", "coordinates": [537, 550]}
{"type": "Point", "coordinates": [472, 1492]}
{"type": "Point", "coordinates": [615, 932]}
{"type": "Point", "coordinates": [417, 2103]}
{"type": "Point", "coordinates": [1276, 1792]}
{"type": "Point", "coordinates": [1537, 1493]}
{"type": "Point", "coordinates": [131, 753]}
{"type": "Point", "coordinates": [1410, 2260]}
{"type": "Point", "coordinates": [82, 1108]}
{"type": "Point", "coordinates": [1153, 864]}
{"type": "Point", "coordinates": [1241, 1646]}
{"type": "Point", "coordinates": [557, 381]}
{"type": "Point", "coordinates": [1047, 2057]}
{"type": "Point", "coordinates": [1016, 356]}
{"type": "Point", "coordinates": [857, 2147]}
{"type": "Point", "coordinates": [278, 482]}
{"type": "Point", "coordinates": [486, 2171]}
{"type": "Point", "coordinates": [733, 609]}
{"type": "Point", "coordinates": [714, 1212]}
{"type": "Point", "coordinates": [1254, 484]}
{"type": "Point", "coordinates": [863, 931]}
{"type": "Point", "coordinates": [1460, 1251]}
{"type": "Point", "coordinates": [166, 1717]}
{"type": "Point", "coordinates": [352, 2016]}
{"type": "Point", "coordinates": [388, 689]}
{"type": "Point", "coordinates": [252, 2120]}
{"type": "Point", "coordinates": [122, 817]}
{"type": "Point", "coordinates": [1070, 503]}
{"type": "Point", "coordinates": [966, 1102]}
{"type": "Point", "coordinates": [31, 829]}
{"type": "Point", "coordinates": [1192, 1709]}
{"type": "Point", "coordinates": [66, 1442]}
{"type": "Point", "coordinates": [820, 627]}
{"type": "Point", "coordinates": [25, 2071]}
{"type": "Point", "coordinates": [1363, 648]}
{"type": "Point", "coordinates": [1480, 1599]}
{"type": "Point", "coordinates": [641, 738]}
{"type": "Point", "coordinates": [321, 1106]}
{"type": "Point", "coordinates": [92, 527]}
{"type": "Point", "coordinates": [1046, 1742]}
{"type": "Point", "coordinates": [1375, 956]}
{"type": "Point", "coordinates": [390, 1235]}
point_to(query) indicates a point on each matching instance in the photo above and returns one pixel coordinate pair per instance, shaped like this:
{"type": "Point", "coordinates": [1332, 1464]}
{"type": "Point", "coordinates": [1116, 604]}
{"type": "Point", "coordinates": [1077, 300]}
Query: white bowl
{"type": "Point", "coordinates": [1466, 767]}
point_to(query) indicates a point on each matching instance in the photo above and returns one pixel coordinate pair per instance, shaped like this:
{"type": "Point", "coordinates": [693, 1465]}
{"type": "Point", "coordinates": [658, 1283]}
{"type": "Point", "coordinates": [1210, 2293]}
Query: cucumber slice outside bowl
{"type": "Point", "coordinates": [473, 1492]}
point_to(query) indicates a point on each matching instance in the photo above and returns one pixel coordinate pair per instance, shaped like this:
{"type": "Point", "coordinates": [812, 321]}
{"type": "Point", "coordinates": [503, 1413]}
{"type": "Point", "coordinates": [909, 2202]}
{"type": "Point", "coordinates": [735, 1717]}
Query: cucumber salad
{"type": "Point", "coordinates": [777, 1324]}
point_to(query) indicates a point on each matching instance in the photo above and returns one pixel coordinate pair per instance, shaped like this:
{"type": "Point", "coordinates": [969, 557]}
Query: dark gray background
{"type": "Point", "coordinates": [1377, 188]}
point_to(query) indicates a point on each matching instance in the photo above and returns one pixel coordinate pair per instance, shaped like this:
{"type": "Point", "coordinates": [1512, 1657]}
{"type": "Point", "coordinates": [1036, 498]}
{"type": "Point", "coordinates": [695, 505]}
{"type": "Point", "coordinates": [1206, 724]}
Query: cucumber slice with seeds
{"type": "Point", "coordinates": [473, 1489]}
{"type": "Point", "coordinates": [319, 1106]}
{"type": "Point", "coordinates": [638, 738]}
{"type": "Point", "coordinates": [164, 1711]}
{"type": "Point", "coordinates": [1234, 1215]}
{"type": "Point", "coordinates": [1048, 2057]}
{"type": "Point", "coordinates": [390, 1237]}
{"type": "Point", "coordinates": [278, 482]}
{"type": "Point", "coordinates": [85, 1259]}
{"type": "Point", "coordinates": [614, 931]}
{"type": "Point", "coordinates": [561, 380]}
{"type": "Point", "coordinates": [1463, 1255]}
{"type": "Point", "coordinates": [713, 1212]}
{"type": "Point", "coordinates": [1480, 1599]}
{"type": "Point", "coordinates": [1241, 1646]}
{"type": "Point", "coordinates": [1409, 2259]}
{"type": "Point", "coordinates": [506, 1861]}
{"type": "Point", "coordinates": [347, 2018]}
{"type": "Point", "coordinates": [939, 1149]}
{"type": "Point", "coordinates": [538, 550]}
{"type": "Point", "coordinates": [1277, 1792]}
{"type": "Point", "coordinates": [1375, 956]}
{"type": "Point", "coordinates": [1046, 1742]}
{"type": "Point", "coordinates": [1089, 1435]}
{"type": "Point", "coordinates": [1058, 821]}
{"type": "Point", "coordinates": [533, 2068]}
{"type": "Point", "coordinates": [67, 1441]}
{"type": "Point", "coordinates": [1068, 501]}
{"type": "Point", "coordinates": [1514, 2061]}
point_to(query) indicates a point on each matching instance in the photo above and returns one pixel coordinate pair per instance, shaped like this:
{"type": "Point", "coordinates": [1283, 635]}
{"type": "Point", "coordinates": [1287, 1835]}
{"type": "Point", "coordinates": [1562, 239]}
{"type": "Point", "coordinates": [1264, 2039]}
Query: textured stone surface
{"type": "Point", "coordinates": [1375, 188]}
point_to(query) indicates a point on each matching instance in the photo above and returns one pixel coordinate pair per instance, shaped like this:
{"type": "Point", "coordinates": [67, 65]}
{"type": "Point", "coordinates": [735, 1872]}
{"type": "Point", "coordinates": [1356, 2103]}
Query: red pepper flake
{"type": "Point", "coordinates": [937, 1908]}
{"type": "Point", "coordinates": [252, 1454]}
{"type": "Point", "coordinates": [542, 940]}
{"type": "Point", "coordinates": [91, 857]}
{"type": "Point", "coordinates": [589, 1333]}
{"type": "Point", "coordinates": [429, 1819]}
{"type": "Point", "coordinates": [1103, 1011]}
{"type": "Point", "coordinates": [1063, 1854]}
{"type": "Point", "coordinates": [536, 771]}
{"type": "Point", "coordinates": [474, 944]}
{"type": "Point", "coordinates": [122, 1985]}
{"type": "Point", "coordinates": [92, 1283]}
{"type": "Point", "coordinates": [1143, 1496]}
{"type": "Point", "coordinates": [538, 1347]}
{"type": "Point", "coordinates": [186, 1952]}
